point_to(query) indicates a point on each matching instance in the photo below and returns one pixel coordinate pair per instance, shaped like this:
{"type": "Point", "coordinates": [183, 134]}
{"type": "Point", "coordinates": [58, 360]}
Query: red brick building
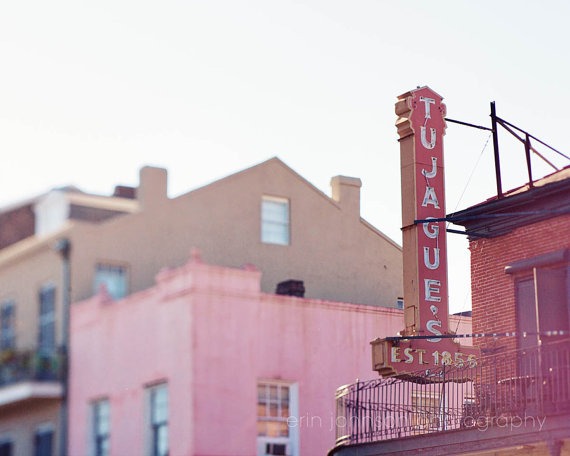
{"type": "Point", "coordinates": [520, 247]}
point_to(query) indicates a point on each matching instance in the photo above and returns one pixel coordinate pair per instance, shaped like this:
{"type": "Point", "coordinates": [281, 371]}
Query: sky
{"type": "Point", "coordinates": [92, 91]}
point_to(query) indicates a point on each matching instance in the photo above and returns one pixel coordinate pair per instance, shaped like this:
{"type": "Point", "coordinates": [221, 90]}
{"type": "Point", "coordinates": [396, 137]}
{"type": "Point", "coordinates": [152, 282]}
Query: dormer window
{"type": "Point", "coordinates": [275, 220]}
{"type": "Point", "coordinates": [51, 212]}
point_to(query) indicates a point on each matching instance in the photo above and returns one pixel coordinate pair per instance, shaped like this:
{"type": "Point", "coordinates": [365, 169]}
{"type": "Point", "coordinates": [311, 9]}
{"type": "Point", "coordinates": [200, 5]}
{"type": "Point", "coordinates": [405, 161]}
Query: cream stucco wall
{"type": "Point", "coordinates": [19, 424]}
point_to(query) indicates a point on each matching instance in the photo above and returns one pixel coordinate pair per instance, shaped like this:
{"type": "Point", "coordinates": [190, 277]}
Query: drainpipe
{"type": "Point", "coordinates": [63, 247]}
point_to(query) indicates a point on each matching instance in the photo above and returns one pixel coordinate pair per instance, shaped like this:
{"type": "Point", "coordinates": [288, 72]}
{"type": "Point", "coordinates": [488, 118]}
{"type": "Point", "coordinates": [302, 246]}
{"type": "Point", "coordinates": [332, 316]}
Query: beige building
{"type": "Point", "coordinates": [266, 215]}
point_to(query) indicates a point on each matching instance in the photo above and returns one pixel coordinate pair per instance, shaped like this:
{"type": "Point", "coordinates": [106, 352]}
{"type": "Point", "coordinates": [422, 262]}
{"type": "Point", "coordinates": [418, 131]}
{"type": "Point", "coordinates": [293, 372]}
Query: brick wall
{"type": "Point", "coordinates": [492, 290]}
{"type": "Point", "coordinates": [16, 225]}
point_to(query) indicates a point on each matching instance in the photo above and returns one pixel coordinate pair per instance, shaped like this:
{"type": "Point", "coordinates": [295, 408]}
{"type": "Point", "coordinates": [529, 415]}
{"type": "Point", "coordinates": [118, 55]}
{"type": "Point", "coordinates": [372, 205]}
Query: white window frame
{"type": "Point", "coordinates": [114, 276]}
{"type": "Point", "coordinates": [157, 424]}
{"type": "Point", "coordinates": [100, 431]}
{"type": "Point", "coordinates": [275, 228]}
{"type": "Point", "coordinates": [400, 303]}
{"type": "Point", "coordinates": [292, 440]}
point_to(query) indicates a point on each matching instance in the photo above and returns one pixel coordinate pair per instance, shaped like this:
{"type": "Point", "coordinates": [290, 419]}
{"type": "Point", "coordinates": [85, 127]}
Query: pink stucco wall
{"type": "Point", "coordinates": [211, 334]}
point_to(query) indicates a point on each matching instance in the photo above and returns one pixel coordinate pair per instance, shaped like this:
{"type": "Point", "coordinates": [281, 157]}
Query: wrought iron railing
{"type": "Point", "coordinates": [18, 366]}
{"type": "Point", "coordinates": [512, 385]}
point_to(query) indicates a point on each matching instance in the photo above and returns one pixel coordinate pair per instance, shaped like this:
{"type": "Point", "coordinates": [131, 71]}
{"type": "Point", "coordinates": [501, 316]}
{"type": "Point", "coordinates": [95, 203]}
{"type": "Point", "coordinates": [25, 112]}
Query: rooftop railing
{"type": "Point", "coordinates": [18, 366]}
{"type": "Point", "coordinates": [534, 382]}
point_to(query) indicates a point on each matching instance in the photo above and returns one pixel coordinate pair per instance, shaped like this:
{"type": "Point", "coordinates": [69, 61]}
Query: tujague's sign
{"type": "Point", "coordinates": [421, 126]}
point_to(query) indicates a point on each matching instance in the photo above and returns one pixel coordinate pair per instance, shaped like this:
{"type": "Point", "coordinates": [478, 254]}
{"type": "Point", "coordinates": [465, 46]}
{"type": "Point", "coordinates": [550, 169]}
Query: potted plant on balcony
{"type": "Point", "coordinates": [45, 366]}
{"type": "Point", "coordinates": [7, 355]}
{"type": "Point", "coordinates": [7, 365]}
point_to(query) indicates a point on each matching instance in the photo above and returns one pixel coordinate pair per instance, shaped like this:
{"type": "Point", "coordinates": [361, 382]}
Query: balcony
{"type": "Point", "coordinates": [457, 403]}
{"type": "Point", "coordinates": [27, 375]}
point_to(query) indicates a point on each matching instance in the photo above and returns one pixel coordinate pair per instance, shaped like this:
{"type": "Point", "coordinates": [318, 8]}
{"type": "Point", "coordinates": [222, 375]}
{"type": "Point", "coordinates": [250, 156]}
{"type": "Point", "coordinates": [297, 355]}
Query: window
{"type": "Point", "coordinates": [43, 441]}
{"type": "Point", "coordinates": [46, 321]}
{"type": "Point", "coordinates": [542, 297]}
{"type": "Point", "coordinates": [101, 431]}
{"type": "Point", "coordinates": [426, 410]}
{"type": "Point", "coordinates": [6, 448]}
{"type": "Point", "coordinates": [526, 312]}
{"type": "Point", "coordinates": [272, 410]}
{"type": "Point", "coordinates": [158, 420]}
{"type": "Point", "coordinates": [114, 277]}
{"type": "Point", "coordinates": [7, 326]}
{"type": "Point", "coordinates": [542, 303]}
{"type": "Point", "coordinates": [276, 403]}
{"type": "Point", "coordinates": [275, 220]}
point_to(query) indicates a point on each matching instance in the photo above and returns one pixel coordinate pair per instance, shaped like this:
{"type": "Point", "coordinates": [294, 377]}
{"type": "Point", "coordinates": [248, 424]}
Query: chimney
{"type": "Point", "coordinates": [153, 183]}
{"type": "Point", "coordinates": [346, 191]}
{"type": "Point", "coordinates": [291, 288]}
{"type": "Point", "coordinates": [122, 191]}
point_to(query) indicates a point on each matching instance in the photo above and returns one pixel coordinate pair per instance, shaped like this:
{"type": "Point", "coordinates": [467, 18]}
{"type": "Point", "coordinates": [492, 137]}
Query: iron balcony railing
{"type": "Point", "coordinates": [29, 365]}
{"type": "Point", "coordinates": [515, 385]}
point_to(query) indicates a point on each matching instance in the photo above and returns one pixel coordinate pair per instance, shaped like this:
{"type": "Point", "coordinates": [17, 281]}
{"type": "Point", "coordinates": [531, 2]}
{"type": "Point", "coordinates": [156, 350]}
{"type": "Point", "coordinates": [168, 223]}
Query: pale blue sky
{"type": "Point", "coordinates": [91, 91]}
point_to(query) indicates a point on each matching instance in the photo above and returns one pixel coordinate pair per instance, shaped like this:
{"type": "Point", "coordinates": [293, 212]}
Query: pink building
{"type": "Point", "coordinates": [203, 363]}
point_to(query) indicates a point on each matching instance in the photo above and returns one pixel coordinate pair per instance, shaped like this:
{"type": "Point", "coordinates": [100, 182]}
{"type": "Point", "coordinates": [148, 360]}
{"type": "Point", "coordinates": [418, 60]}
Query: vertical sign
{"type": "Point", "coordinates": [427, 122]}
{"type": "Point", "coordinates": [421, 127]}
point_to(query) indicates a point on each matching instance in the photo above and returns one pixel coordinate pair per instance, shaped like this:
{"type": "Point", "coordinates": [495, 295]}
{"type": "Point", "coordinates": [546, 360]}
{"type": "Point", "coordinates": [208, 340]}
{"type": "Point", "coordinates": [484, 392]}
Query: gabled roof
{"type": "Point", "coordinates": [272, 161]}
{"type": "Point", "coordinates": [277, 161]}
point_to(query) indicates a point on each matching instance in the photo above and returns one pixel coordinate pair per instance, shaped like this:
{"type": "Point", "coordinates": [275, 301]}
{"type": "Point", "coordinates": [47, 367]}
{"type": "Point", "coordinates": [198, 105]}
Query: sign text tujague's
{"type": "Point", "coordinates": [421, 126]}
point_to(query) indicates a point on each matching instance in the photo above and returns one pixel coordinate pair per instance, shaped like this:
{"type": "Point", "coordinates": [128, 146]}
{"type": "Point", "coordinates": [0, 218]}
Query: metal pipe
{"type": "Point", "coordinates": [496, 150]}
{"type": "Point", "coordinates": [503, 124]}
{"type": "Point", "coordinates": [528, 163]}
{"type": "Point", "coordinates": [447, 119]}
{"type": "Point", "coordinates": [63, 247]}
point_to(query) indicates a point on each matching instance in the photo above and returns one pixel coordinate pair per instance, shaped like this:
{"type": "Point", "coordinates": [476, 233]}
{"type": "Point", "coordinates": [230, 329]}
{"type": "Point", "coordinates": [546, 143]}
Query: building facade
{"type": "Point", "coordinates": [235, 371]}
{"type": "Point", "coordinates": [520, 262]}
{"type": "Point", "coordinates": [516, 400]}
{"type": "Point", "coordinates": [267, 215]}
